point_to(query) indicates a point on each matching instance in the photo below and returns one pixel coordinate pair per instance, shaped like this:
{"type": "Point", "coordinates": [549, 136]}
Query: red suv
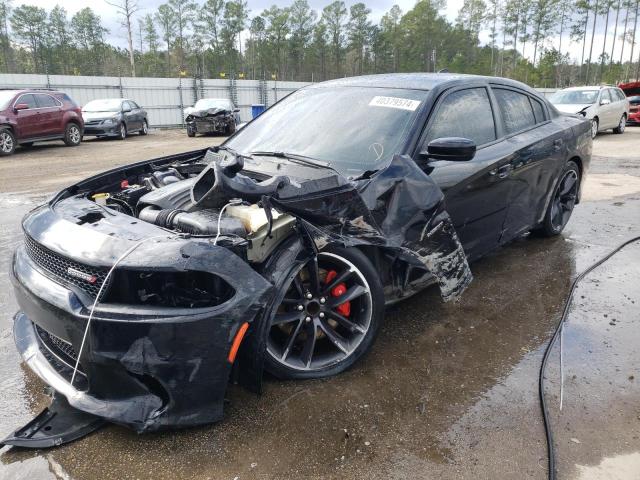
{"type": "Point", "coordinates": [28, 116]}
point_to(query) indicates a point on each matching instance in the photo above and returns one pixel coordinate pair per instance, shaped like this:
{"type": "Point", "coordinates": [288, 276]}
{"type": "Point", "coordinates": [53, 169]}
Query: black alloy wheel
{"type": "Point", "coordinates": [564, 199]}
{"type": "Point", "coordinates": [328, 318]}
{"type": "Point", "coordinates": [122, 132]}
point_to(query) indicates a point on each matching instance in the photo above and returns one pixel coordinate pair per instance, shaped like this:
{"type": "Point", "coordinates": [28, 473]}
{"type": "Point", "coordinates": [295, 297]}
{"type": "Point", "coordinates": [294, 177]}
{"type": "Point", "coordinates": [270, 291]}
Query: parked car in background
{"type": "Point", "coordinates": [212, 115]}
{"type": "Point", "coordinates": [607, 107]}
{"type": "Point", "coordinates": [632, 91]}
{"type": "Point", "coordinates": [114, 117]}
{"type": "Point", "coordinates": [28, 116]}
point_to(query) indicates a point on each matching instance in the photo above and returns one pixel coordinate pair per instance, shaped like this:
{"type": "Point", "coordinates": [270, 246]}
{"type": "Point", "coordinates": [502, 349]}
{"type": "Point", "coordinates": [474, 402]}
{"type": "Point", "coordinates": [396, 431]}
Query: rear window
{"type": "Point", "coordinates": [538, 110]}
{"type": "Point", "coordinates": [66, 99]}
{"type": "Point", "coordinates": [516, 110]}
{"type": "Point", "coordinates": [45, 101]}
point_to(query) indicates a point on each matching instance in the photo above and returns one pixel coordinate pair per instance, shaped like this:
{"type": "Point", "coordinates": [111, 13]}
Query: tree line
{"type": "Point", "coordinates": [527, 40]}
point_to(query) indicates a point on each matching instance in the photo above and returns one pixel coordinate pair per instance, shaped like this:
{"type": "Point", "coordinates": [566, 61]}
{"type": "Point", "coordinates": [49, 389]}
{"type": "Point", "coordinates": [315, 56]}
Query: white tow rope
{"type": "Point", "coordinates": [95, 302]}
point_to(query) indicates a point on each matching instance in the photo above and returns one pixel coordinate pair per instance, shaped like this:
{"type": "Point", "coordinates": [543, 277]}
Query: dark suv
{"type": "Point", "coordinates": [28, 116]}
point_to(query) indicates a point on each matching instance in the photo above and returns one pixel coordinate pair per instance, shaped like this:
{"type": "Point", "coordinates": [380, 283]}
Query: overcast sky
{"type": "Point", "coordinates": [378, 8]}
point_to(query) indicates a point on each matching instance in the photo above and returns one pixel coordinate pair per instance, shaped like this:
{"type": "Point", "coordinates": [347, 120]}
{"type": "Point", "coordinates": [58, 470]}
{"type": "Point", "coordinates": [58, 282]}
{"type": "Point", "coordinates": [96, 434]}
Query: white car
{"type": "Point", "coordinates": [607, 107]}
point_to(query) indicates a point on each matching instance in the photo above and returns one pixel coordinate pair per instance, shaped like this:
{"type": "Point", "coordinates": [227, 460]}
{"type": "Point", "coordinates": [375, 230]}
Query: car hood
{"type": "Point", "coordinates": [98, 115]}
{"type": "Point", "coordinates": [204, 111]}
{"type": "Point", "coordinates": [572, 107]}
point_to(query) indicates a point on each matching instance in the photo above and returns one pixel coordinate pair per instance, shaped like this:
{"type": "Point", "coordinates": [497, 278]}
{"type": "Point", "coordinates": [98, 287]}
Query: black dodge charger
{"type": "Point", "coordinates": [145, 289]}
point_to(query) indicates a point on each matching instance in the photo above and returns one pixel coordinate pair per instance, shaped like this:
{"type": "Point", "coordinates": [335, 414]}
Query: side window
{"type": "Point", "coordinates": [516, 110]}
{"type": "Point", "coordinates": [538, 110]}
{"type": "Point", "coordinates": [619, 93]}
{"type": "Point", "coordinates": [29, 99]}
{"type": "Point", "coordinates": [605, 95]}
{"type": "Point", "coordinates": [126, 105]}
{"type": "Point", "coordinates": [453, 118]}
{"type": "Point", "coordinates": [133, 105]}
{"type": "Point", "coordinates": [45, 101]}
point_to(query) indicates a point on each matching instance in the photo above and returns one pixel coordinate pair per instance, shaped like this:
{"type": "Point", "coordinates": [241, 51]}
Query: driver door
{"type": "Point", "coordinates": [476, 191]}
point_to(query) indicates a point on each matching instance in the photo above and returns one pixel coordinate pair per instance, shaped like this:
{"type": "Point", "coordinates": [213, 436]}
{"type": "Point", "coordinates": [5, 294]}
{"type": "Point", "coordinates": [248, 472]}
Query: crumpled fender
{"type": "Point", "coordinates": [401, 208]}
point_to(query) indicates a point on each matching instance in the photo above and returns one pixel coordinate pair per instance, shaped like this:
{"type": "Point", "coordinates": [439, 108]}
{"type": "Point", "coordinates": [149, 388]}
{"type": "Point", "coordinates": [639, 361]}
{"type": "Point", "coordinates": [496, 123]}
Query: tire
{"type": "Point", "coordinates": [145, 128]}
{"type": "Point", "coordinates": [122, 132]}
{"type": "Point", "coordinates": [621, 125]}
{"type": "Point", "coordinates": [72, 135]}
{"type": "Point", "coordinates": [337, 345]}
{"type": "Point", "coordinates": [558, 214]}
{"type": "Point", "coordinates": [595, 125]}
{"type": "Point", "coordinates": [7, 142]}
{"type": "Point", "coordinates": [190, 133]}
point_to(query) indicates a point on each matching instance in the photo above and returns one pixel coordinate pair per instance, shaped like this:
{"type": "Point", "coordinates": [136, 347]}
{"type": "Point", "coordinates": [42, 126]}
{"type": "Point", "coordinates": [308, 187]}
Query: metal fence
{"type": "Point", "coordinates": [164, 98]}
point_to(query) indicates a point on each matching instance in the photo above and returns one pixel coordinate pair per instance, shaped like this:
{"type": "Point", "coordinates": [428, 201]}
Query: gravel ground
{"type": "Point", "coordinates": [449, 390]}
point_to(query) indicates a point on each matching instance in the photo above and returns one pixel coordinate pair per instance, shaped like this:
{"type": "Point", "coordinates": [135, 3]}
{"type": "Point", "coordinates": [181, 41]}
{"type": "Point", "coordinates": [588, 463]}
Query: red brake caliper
{"type": "Point", "coordinates": [344, 308]}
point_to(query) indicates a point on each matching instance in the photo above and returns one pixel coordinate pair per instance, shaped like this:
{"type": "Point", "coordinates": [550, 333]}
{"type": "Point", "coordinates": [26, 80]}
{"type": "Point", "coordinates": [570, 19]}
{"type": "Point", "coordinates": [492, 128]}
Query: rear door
{"type": "Point", "coordinates": [129, 116]}
{"type": "Point", "coordinates": [138, 114]}
{"type": "Point", "coordinates": [539, 149]}
{"type": "Point", "coordinates": [476, 192]}
{"type": "Point", "coordinates": [50, 114]}
{"type": "Point", "coordinates": [607, 110]}
{"type": "Point", "coordinates": [28, 121]}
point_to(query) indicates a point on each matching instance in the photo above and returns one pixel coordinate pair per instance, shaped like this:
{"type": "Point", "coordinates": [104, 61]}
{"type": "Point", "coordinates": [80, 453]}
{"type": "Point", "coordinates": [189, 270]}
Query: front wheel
{"type": "Point", "coordinates": [7, 142]}
{"type": "Point", "coordinates": [72, 135]}
{"type": "Point", "coordinates": [621, 125]}
{"type": "Point", "coordinates": [564, 199]}
{"type": "Point", "coordinates": [145, 128]}
{"type": "Point", "coordinates": [328, 316]}
{"type": "Point", "coordinates": [122, 132]}
{"type": "Point", "coordinates": [191, 132]}
{"type": "Point", "coordinates": [595, 125]}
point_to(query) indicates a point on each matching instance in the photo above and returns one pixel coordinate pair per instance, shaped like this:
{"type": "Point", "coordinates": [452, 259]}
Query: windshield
{"type": "Point", "coordinates": [205, 103]}
{"type": "Point", "coordinates": [106, 105]}
{"type": "Point", "coordinates": [5, 98]}
{"type": "Point", "coordinates": [574, 97]}
{"type": "Point", "coordinates": [352, 129]}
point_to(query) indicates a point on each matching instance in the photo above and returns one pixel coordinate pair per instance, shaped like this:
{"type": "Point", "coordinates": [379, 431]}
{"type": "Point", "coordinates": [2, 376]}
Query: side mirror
{"type": "Point", "coordinates": [454, 149]}
{"type": "Point", "coordinates": [21, 106]}
{"type": "Point", "coordinates": [236, 110]}
{"type": "Point", "coordinates": [605, 101]}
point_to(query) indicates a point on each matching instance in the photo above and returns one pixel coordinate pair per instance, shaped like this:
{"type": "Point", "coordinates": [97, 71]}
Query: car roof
{"type": "Point", "coordinates": [587, 87]}
{"type": "Point", "coordinates": [415, 81]}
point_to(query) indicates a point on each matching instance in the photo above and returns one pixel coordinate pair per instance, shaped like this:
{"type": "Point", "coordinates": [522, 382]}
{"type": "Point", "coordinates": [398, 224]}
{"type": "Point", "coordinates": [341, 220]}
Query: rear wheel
{"type": "Point", "coordinates": [621, 124]}
{"type": "Point", "coordinates": [7, 142]}
{"type": "Point", "coordinates": [145, 128]}
{"type": "Point", "coordinates": [564, 199]}
{"type": "Point", "coordinates": [72, 135]}
{"type": "Point", "coordinates": [595, 124]}
{"type": "Point", "coordinates": [328, 318]}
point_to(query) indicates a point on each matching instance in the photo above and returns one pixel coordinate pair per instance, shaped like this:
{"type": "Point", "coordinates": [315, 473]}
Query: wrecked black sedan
{"type": "Point", "coordinates": [145, 289]}
{"type": "Point", "coordinates": [212, 115]}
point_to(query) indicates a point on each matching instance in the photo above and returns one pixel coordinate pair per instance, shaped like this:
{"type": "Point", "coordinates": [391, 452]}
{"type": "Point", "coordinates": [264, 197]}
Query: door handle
{"type": "Point", "coordinates": [501, 172]}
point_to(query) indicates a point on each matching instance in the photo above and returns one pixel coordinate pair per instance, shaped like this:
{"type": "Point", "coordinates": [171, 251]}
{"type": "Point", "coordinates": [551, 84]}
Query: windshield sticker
{"type": "Point", "coordinates": [394, 102]}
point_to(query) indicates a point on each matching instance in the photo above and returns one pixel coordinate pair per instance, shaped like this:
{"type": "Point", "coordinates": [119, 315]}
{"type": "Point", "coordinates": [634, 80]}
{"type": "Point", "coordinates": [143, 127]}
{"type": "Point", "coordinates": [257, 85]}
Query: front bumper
{"type": "Point", "coordinates": [102, 130]}
{"type": "Point", "coordinates": [208, 126]}
{"type": "Point", "coordinates": [147, 368]}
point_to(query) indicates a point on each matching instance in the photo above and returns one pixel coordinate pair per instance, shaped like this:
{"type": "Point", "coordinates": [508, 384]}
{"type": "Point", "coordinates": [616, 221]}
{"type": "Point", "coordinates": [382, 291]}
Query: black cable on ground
{"type": "Point", "coordinates": [547, 352]}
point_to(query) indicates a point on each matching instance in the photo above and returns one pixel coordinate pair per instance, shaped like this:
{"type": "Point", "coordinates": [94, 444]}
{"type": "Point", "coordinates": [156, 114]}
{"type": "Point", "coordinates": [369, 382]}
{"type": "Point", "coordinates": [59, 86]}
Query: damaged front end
{"type": "Point", "coordinates": [210, 120]}
{"type": "Point", "coordinates": [169, 318]}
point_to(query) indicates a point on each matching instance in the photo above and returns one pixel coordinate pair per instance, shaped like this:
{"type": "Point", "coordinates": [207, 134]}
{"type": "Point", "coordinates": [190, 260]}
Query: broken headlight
{"type": "Point", "coordinates": [189, 289]}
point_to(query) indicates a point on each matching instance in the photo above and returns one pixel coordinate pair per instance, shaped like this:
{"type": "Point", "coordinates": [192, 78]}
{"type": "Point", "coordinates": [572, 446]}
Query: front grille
{"type": "Point", "coordinates": [56, 345]}
{"type": "Point", "coordinates": [93, 122]}
{"type": "Point", "coordinates": [58, 268]}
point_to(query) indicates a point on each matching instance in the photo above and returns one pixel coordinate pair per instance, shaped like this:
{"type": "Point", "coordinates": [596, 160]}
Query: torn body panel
{"type": "Point", "coordinates": [210, 120]}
